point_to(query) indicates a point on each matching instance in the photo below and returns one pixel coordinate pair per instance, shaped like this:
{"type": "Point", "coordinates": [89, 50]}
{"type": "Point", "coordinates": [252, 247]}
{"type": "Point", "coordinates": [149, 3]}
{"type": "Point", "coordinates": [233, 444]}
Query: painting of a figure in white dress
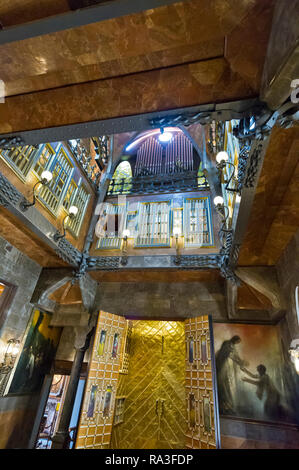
{"type": "Point", "coordinates": [255, 377]}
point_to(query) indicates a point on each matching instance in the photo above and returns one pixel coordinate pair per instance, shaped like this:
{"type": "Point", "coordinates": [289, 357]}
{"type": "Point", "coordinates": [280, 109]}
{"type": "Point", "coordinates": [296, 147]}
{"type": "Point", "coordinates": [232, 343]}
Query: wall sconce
{"type": "Point", "coordinates": [11, 353]}
{"type": "Point", "coordinates": [220, 207]}
{"type": "Point", "coordinates": [222, 162]}
{"type": "Point", "coordinates": [294, 353]}
{"type": "Point", "coordinates": [124, 258]}
{"type": "Point", "coordinates": [224, 233]}
{"type": "Point", "coordinates": [46, 177]}
{"type": "Point", "coordinates": [176, 233]}
{"type": "Point", "coordinates": [73, 211]}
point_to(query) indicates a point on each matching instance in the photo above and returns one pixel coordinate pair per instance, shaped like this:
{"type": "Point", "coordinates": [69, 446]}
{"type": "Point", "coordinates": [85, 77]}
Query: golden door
{"type": "Point", "coordinates": [150, 410]}
{"type": "Point", "coordinates": [201, 385]}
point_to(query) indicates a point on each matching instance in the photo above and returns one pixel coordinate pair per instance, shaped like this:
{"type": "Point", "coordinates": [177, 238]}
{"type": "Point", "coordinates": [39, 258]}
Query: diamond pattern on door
{"type": "Point", "coordinates": [153, 391]}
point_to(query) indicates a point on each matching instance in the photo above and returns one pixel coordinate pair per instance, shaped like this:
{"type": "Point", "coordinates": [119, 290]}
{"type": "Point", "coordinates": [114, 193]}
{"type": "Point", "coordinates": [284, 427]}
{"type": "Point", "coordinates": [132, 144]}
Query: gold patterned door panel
{"type": "Point", "coordinates": [201, 392]}
{"type": "Point", "coordinates": [96, 418]}
{"type": "Point", "coordinates": [150, 410]}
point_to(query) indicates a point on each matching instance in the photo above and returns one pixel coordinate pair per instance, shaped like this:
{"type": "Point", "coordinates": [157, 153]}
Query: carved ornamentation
{"type": "Point", "coordinates": [3, 202]}
{"type": "Point", "coordinates": [109, 263]}
{"type": "Point", "coordinates": [242, 164]}
{"type": "Point", "coordinates": [235, 251]}
{"type": "Point", "coordinates": [224, 257]}
{"type": "Point", "coordinates": [186, 120]}
{"type": "Point", "coordinates": [252, 170]}
{"type": "Point", "coordinates": [10, 142]}
{"type": "Point", "coordinates": [195, 261]}
{"type": "Point", "coordinates": [8, 192]}
{"type": "Point", "coordinates": [81, 271]}
{"type": "Point", "coordinates": [68, 253]}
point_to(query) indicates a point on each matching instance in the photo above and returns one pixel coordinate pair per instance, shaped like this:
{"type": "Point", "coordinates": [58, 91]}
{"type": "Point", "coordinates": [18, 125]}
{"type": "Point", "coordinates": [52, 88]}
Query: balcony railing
{"type": "Point", "coordinates": [185, 181]}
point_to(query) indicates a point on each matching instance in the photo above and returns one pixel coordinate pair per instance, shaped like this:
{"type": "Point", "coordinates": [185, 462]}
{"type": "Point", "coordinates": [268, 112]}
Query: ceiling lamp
{"type": "Point", "coordinates": [165, 136]}
{"type": "Point", "coordinates": [222, 157]}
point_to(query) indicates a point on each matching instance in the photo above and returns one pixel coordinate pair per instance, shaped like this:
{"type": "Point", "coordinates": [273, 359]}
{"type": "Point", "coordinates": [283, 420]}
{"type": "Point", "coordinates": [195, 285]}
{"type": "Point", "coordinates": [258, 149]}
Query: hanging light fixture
{"type": "Point", "coordinates": [46, 178]}
{"type": "Point", "coordinates": [73, 211]}
{"type": "Point", "coordinates": [222, 160]}
{"type": "Point", "coordinates": [164, 136]}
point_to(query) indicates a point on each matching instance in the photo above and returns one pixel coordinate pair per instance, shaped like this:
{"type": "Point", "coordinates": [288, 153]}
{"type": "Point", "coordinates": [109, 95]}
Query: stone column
{"type": "Point", "coordinates": [60, 439]}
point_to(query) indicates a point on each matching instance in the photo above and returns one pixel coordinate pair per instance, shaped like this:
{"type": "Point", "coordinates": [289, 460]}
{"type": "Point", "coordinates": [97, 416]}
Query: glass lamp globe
{"type": "Point", "coordinates": [126, 233]}
{"type": "Point", "coordinates": [176, 231]}
{"type": "Point", "coordinates": [221, 157]}
{"type": "Point", "coordinates": [46, 176]}
{"type": "Point", "coordinates": [218, 201]}
{"type": "Point", "coordinates": [73, 211]}
{"type": "Point", "coordinates": [165, 137]}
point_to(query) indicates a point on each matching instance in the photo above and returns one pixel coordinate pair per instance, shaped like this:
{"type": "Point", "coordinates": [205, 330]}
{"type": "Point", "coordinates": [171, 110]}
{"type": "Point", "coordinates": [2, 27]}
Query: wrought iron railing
{"type": "Point", "coordinates": [186, 181]}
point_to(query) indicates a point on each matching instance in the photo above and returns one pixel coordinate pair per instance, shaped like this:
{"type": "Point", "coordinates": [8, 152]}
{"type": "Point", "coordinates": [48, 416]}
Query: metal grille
{"type": "Point", "coordinates": [80, 201]}
{"type": "Point", "coordinates": [153, 224]}
{"type": "Point", "coordinates": [69, 195]}
{"type": "Point", "coordinates": [20, 158]}
{"type": "Point", "coordinates": [201, 432]}
{"type": "Point", "coordinates": [44, 159]}
{"type": "Point", "coordinates": [113, 238]}
{"type": "Point", "coordinates": [61, 169]}
{"type": "Point", "coordinates": [197, 224]}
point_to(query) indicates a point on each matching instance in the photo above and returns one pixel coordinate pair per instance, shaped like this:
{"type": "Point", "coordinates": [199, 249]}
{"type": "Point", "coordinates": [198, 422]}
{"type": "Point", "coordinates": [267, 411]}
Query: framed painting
{"type": "Point", "coordinates": [255, 377]}
{"type": "Point", "coordinates": [37, 356]}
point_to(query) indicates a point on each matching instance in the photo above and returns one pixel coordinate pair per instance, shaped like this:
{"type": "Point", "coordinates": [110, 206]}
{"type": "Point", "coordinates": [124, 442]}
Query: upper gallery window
{"type": "Point", "coordinates": [80, 200]}
{"type": "Point", "coordinates": [44, 159]}
{"type": "Point", "coordinates": [113, 225]}
{"type": "Point", "coordinates": [197, 222]}
{"type": "Point", "coordinates": [61, 169]}
{"type": "Point", "coordinates": [153, 224]}
{"type": "Point", "coordinates": [20, 159]}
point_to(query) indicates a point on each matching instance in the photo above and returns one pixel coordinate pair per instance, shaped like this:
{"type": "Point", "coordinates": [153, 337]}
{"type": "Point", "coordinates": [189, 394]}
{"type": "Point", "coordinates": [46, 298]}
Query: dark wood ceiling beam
{"type": "Point", "coordinates": [74, 19]}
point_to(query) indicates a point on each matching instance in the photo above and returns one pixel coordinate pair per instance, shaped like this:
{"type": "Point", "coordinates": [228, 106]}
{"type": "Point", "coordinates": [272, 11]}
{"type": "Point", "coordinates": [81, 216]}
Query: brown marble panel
{"type": "Point", "coordinates": [14, 12]}
{"type": "Point", "coordinates": [161, 37]}
{"type": "Point", "coordinates": [157, 276]}
{"type": "Point", "coordinates": [250, 299]}
{"type": "Point", "coordinates": [145, 92]}
{"type": "Point", "coordinates": [275, 213]}
{"type": "Point", "coordinates": [246, 46]}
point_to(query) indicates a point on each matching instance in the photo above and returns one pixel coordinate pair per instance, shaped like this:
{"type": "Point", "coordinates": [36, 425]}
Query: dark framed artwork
{"type": "Point", "coordinates": [92, 401]}
{"type": "Point", "coordinates": [255, 377]}
{"type": "Point", "coordinates": [37, 355]}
